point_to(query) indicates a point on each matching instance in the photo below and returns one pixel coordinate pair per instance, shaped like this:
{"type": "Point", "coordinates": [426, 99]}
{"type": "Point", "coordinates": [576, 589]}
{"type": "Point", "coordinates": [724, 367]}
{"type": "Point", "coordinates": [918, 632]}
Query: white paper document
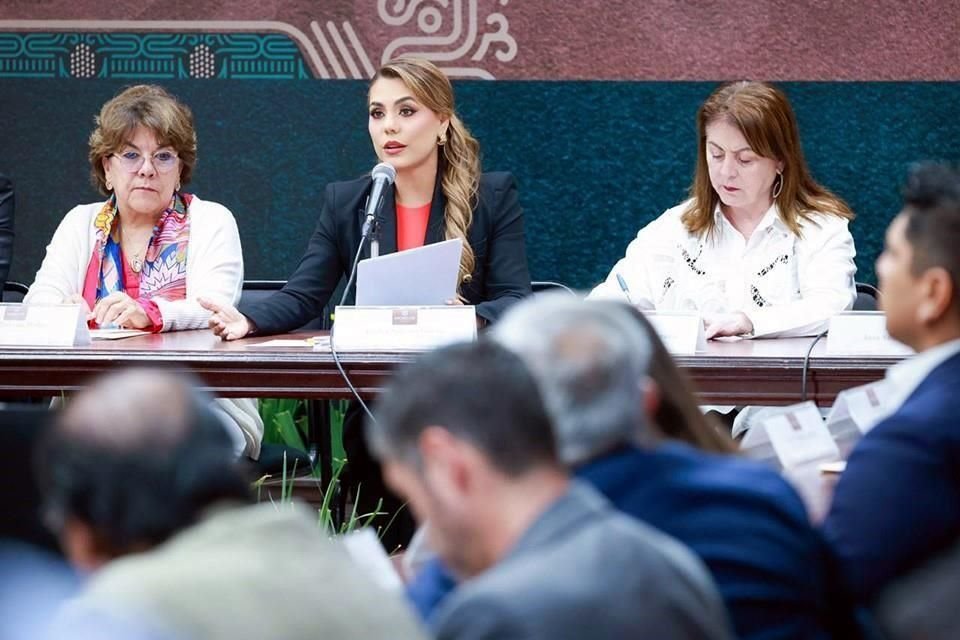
{"type": "Point", "coordinates": [365, 550]}
{"type": "Point", "coordinates": [318, 343]}
{"type": "Point", "coordinates": [115, 334]}
{"type": "Point", "coordinates": [423, 276]}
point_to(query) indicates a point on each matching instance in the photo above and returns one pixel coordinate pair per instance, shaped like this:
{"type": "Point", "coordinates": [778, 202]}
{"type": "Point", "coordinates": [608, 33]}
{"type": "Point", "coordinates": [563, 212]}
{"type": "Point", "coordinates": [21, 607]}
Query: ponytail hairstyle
{"type": "Point", "coordinates": [459, 160]}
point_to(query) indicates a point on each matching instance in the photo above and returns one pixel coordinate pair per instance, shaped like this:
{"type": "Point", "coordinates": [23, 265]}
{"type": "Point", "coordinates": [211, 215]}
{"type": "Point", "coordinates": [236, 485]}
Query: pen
{"type": "Point", "coordinates": [624, 287]}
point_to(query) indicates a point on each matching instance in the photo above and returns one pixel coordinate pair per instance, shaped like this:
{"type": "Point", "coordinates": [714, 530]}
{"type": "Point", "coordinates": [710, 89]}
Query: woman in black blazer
{"type": "Point", "coordinates": [439, 186]}
{"type": "Point", "coordinates": [439, 194]}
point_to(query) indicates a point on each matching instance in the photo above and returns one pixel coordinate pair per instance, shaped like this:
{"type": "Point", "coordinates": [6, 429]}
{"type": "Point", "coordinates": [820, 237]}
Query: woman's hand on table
{"type": "Point", "coordinates": [120, 309]}
{"type": "Point", "coordinates": [225, 321]}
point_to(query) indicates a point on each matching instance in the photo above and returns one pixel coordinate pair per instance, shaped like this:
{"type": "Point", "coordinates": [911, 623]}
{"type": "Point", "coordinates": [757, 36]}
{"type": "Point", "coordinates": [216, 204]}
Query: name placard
{"type": "Point", "coordinates": [862, 333]}
{"type": "Point", "coordinates": [402, 328]}
{"type": "Point", "coordinates": [682, 333]}
{"type": "Point", "coordinates": [43, 325]}
{"type": "Point", "coordinates": [862, 406]}
{"type": "Point", "coordinates": [799, 436]}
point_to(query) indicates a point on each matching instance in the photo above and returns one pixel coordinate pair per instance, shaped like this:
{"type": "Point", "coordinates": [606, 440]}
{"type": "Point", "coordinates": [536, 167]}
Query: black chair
{"type": "Point", "coordinates": [541, 286]}
{"type": "Point", "coordinates": [14, 291]}
{"type": "Point", "coordinates": [868, 297]}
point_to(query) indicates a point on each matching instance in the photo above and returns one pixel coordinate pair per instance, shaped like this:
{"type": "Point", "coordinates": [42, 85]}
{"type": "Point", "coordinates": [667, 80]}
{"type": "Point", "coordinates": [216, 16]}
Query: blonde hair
{"type": "Point", "coordinates": [459, 156]}
{"type": "Point", "coordinates": [763, 115]}
{"type": "Point", "coordinates": [143, 105]}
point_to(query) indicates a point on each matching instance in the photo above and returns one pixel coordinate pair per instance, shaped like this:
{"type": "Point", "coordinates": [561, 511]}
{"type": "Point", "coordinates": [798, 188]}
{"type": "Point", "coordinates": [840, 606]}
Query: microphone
{"type": "Point", "coordinates": [383, 176]}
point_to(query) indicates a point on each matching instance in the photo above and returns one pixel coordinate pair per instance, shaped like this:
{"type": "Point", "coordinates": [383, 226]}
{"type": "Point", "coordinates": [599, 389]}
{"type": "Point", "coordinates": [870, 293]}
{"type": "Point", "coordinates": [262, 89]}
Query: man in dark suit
{"type": "Point", "coordinates": [897, 505]}
{"type": "Point", "coordinates": [464, 435]}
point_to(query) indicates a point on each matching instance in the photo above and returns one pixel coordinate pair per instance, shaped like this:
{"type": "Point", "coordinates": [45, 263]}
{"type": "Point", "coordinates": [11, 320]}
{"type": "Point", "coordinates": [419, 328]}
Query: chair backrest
{"type": "Point", "coordinates": [540, 286]}
{"type": "Point", "coordinates": [868, 297]}
{"type": "Point", "coordinates": [14, 291]}
{"type": "Point", "coordinates": [256, 291]}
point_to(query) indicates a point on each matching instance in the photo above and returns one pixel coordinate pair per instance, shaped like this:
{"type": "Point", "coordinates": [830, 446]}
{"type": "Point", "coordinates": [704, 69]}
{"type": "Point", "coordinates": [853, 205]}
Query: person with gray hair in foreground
{"type": "Point", "coordinates": [463, 434]}
{"type": "Point", "coordinates": [142, 486]}
{"type": "Point", "coordinates": [590, 361]}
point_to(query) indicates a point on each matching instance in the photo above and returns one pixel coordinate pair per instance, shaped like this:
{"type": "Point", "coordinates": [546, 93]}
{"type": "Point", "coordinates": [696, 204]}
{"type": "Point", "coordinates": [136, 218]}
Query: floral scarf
{"type": "Point", "coordinates": [164, 271]}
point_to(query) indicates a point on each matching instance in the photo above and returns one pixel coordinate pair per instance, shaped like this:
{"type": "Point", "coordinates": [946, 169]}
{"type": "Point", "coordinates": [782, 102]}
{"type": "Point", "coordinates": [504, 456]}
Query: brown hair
{"type": "Point", "coordinates": [763, 115]}
{"type": "Point", "coordinates": [143, 105]}
{"type": "Point", "coordinates": [459, 155]}
{"type": "Point", "coordinates": [678, 416]}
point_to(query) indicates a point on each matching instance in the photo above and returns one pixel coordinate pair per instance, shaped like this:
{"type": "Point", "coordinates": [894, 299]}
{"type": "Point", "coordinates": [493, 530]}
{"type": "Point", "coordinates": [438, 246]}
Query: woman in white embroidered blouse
{"type": "Point", "coordinates": [760, 248]}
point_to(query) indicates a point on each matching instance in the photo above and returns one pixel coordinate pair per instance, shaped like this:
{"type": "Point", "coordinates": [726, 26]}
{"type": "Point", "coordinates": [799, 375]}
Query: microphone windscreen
{"type": "Point", "coordinates": [384, 171]}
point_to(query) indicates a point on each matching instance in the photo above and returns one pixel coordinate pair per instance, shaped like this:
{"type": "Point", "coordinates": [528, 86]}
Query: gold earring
{"type": "Point", "coordinates": [109, 186]}
{"type": "Point", "coordinates": [442, 138]}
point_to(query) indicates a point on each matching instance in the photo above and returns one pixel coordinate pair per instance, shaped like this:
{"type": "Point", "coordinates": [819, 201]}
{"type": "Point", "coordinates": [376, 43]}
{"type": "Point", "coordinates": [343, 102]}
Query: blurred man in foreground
{"type": "Point", "coordinates": [141, 483]}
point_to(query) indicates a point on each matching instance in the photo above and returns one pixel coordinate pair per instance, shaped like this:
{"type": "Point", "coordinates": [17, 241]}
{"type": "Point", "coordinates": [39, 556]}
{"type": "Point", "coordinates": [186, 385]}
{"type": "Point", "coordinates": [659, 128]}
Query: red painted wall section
{"type": "Point", "coordinates": [562, 39]}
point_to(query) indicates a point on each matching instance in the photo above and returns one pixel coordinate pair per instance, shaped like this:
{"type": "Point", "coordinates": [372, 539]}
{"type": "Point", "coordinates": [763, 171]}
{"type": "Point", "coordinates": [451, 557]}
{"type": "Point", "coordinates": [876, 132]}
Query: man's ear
{"type": "Point", "coordinates": [939, 295]}
{"type": "Point", "coordinates": [82, 546]}
{"type": "Point", "coordinates": [445, 459]}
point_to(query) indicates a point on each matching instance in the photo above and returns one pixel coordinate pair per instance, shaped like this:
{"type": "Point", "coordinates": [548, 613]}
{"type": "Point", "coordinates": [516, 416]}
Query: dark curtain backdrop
{"type": "Point", "coordinates": [595, 160]}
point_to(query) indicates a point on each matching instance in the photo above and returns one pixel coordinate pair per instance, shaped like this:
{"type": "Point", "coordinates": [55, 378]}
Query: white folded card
{"type": "Point", "coordinates": [799, 436]}
{"type": "Point", "coordinates": [43, 325]}
{"type": "Point", "coordinates": [862, 333]}
{"type": "Point", "coordinates": [426, 275]}
{"type": "Point", "coordinates": [402, 328]}
{"type": "Point", "coordinates": [860, 407]}
{"type": "Point", "coordinates": [682, 333]}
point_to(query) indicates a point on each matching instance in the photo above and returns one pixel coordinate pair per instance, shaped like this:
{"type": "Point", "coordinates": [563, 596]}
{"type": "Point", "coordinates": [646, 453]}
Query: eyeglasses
{"type": "Point", "coordinates": [132, 161]}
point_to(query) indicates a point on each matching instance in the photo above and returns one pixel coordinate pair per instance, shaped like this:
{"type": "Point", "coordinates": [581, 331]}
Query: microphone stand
{"type": "Point", "coordinates": [375, 237]}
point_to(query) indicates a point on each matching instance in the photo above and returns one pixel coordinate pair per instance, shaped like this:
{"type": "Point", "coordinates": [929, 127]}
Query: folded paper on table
{"type": "Point", "coordinates": [423, 276]}
{"type": "Point", "coordinates": [115, 334]}
{"type": "Point", "coordinates": [43, 325]}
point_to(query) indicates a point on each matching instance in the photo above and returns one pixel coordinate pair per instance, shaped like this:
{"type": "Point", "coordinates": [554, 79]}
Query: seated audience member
{"type": "Point", "coordinates": [34, 580]}
{"type": "Point", "coordinates": [7, 205]}
{"type": "Point", "coordinates": [141, 259]}
{"type": "Point", "coordinates": [741, 518]}
{"type": "Point", "coordinates": [759, 248]}
{"type": "Point", "coordinates": [140, 481]}
{"type": "Point", "coordinates": [539, 556]}
{"type": "Point", "coordinates": [897, 505]}
{"type": "Point", "coordinates": [676, 415]}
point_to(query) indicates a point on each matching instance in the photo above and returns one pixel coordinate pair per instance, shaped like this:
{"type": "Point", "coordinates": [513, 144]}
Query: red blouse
{"type": "Point", "coordinates": [412, 226]}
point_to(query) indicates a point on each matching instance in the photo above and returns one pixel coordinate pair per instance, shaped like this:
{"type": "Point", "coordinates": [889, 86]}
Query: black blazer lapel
{"type": "Point", "coordinates": [435, 222]}
{"type": "Point", "coordinates": [388, 223]}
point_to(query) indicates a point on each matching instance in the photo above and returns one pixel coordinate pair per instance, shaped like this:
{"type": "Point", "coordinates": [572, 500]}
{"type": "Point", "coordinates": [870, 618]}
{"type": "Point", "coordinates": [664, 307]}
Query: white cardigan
{"type": "Point", "coordinates": [214, 263]}
{"type": "Point", "coordinates": [214, 271]}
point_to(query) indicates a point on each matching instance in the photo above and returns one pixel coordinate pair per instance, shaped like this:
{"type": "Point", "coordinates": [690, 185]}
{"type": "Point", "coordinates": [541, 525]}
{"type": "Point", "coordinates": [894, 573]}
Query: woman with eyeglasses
{"type": "Point", "coordinates": [141, 258]}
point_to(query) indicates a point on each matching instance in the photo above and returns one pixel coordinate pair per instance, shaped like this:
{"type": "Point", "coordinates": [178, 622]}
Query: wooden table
{"type": "Point", "coordinates": [767, 372]}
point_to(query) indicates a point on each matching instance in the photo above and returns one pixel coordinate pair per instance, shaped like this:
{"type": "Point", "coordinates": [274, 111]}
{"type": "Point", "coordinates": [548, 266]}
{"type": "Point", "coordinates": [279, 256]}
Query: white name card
{"type": "Point", "coordinates": [47, 325]}
{"type": "Point", "coordinates": [799, 436]}
{"type": "Point", "coordinates": [862, 407]}
{"type": "Point", "coordinates": [682, 333]}
{"type": "Point", "coordinates": [862, 333]}
{"type": "Point", "coordinates": [402, 328]}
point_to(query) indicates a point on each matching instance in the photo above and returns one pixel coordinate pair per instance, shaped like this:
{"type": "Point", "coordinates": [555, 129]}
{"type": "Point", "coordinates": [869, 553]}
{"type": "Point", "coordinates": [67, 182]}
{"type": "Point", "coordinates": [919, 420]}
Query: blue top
{"type": "Point", "coordinates": [897, 504]}
{"type": "Point", "coordinates": [741, 518]}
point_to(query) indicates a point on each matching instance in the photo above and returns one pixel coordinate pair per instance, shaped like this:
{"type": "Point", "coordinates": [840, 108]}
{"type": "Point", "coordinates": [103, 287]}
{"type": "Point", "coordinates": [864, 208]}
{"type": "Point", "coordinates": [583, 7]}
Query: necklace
{"type": "Point", "coordinates": [136, 257]}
